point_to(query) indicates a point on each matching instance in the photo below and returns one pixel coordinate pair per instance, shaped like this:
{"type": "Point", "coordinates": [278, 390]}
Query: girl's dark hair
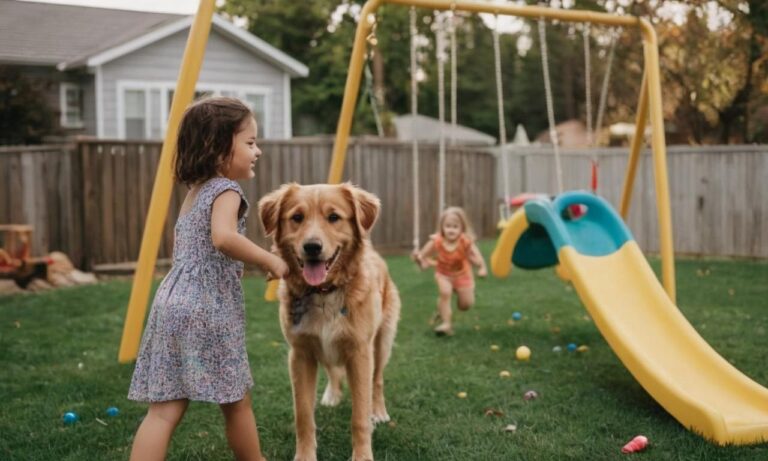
{"type": "Point", "coordinates": [205, 137]}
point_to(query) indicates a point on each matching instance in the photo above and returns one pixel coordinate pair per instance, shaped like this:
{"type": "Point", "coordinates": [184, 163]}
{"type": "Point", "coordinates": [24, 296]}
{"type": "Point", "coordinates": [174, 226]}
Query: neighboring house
{"type": "Point", "coordinates": [112, 73]}
{"type": "Point", "coordinates": [427, 129]}
{"type": "Point", "coordinates": [570, 133]}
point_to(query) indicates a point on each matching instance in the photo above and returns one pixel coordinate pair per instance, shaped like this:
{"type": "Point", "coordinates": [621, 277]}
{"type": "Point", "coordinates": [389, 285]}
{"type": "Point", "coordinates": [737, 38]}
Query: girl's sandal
{"type": "Point", "coordinates": [444, 329]}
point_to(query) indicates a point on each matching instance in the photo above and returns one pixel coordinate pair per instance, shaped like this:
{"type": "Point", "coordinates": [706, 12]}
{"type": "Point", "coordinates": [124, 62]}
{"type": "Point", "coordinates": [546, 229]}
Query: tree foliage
{"type": "Point", "coordinates": [24, 114]}
{"type": "Point", "coordinates": [713, 77]}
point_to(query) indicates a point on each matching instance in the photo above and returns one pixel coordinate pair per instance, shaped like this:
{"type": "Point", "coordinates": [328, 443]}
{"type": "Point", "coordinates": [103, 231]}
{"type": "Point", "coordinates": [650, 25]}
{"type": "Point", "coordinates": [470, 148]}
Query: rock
{"type": "Point", "coordinates": [82, 278]}
{"type": "Point", "coordinates": [9, 287]}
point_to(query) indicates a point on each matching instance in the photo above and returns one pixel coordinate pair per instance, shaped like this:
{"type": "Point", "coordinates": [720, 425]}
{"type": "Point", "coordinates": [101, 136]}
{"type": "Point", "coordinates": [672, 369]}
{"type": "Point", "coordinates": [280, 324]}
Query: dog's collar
{"type": "Point", "coordinates": [320, 290]}
{"type": "Point", "coordinates": [300, 304]}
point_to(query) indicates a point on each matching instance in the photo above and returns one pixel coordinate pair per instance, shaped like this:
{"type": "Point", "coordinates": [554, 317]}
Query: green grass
{"type": "Point", "coordinates": [589, 404]}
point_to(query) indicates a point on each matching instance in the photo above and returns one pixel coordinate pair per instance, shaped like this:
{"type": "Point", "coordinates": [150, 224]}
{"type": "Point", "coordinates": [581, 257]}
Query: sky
{"type": "Point", "coordinates": [159, 6]}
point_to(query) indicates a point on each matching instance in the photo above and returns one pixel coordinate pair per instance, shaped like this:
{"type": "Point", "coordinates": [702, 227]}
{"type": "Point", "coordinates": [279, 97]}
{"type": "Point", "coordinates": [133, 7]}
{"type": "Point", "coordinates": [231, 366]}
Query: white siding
{"type": "Point", "coordinates": [226, 64]}
{"type": "Point", "coordinates": [89, 106]}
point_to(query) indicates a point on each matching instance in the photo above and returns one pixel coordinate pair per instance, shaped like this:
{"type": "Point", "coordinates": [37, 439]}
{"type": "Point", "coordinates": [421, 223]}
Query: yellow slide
{"type": "Point", "coordinates": [646, 330]}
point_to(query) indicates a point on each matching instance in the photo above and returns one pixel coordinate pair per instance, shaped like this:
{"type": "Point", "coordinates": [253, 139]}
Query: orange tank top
{"type": "Point", "coordinates": [453, 262]}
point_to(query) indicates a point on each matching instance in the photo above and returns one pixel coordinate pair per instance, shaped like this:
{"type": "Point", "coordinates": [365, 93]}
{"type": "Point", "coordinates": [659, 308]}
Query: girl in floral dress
{"type": "Point", "coordinates": [193, 347]}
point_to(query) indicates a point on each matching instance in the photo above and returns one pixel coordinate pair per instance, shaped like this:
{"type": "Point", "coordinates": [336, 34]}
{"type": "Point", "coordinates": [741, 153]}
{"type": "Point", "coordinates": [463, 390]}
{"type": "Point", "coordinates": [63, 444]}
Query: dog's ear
{"type": "Point", "coordinates": [366, 207]}
{"type": "Point", "coordinates": [269, 208]}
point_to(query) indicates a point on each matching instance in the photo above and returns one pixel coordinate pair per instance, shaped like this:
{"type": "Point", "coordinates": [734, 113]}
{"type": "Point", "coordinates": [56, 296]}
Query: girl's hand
{"type": "Point", "coordinates": [278, 268]}
{"type": "Point", "coordinates": [416, 257]}
{"type": "Point", "coordinates": [482, 272]}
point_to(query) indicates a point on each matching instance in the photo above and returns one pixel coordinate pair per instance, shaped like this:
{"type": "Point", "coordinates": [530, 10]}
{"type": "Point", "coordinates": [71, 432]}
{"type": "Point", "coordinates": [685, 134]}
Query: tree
{"type": "Point", "coordinates": [713, 71]}
{"type": "Point", "coordinates": [24, 114]}
{"type": "Point", "coordinates": [306, 31]}
{"type": "Point", "coordinates": [713, 78]}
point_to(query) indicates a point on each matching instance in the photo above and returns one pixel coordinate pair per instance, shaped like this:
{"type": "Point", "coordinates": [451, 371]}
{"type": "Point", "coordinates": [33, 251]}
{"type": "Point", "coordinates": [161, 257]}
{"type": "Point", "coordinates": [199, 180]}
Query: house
{"type": "Point", "coordinates": [427, 129]}
{"type": "Point", "coordinates": [570, 133]}
{"type": "Point", "coordinates": [112, 73]}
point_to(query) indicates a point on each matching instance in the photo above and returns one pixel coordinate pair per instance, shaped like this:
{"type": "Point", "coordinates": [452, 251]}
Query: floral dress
{"type": "Point", "coordinates": [194, 343]}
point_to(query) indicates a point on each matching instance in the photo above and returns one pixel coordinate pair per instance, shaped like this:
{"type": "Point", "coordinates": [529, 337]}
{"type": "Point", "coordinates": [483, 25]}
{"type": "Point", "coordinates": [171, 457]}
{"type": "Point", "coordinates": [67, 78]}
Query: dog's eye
{"type": "Point", "coordinates": [333, 217]}
{"type": "Point", "coordinates": [297, 218]}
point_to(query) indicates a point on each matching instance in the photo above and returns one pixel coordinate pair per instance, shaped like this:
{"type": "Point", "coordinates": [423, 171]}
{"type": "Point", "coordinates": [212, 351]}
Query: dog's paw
{"type": "Point", "coordinates": [380, 416]}
{"type": "Point", "coordinates": [307, 457]}
{"type": "Point", "coordinates": [365, 456]}
{"type": "Point", "coordinates": [331, 398]}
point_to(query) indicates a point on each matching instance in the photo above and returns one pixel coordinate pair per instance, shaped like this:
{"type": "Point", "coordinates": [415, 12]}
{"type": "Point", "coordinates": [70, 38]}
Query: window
{"type": "Point", "coordinates": [144, 106]}
{"type": "Point", "coordinates": [198, 95]}
{"type": "Point", "coordinates": [258, 106]}
{"type": "Point", "coordinates": [71, 101]}
{"type": "Point", "coordinates": [256, 102]}
{"type": "Point", "coordinates": [135, 114]}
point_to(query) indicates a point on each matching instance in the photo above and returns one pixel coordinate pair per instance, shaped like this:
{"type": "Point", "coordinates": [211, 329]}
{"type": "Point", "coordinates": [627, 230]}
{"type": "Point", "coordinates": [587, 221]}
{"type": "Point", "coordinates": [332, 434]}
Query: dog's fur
{"type": "Point", "coordinates": [344, 317]}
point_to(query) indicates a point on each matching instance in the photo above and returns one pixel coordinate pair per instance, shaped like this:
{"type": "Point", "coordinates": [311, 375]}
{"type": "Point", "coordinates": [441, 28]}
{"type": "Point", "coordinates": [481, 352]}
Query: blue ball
{"type": "Point", "coordinates": [69, 417]}
{"type": "Point", "coordinates": [517, 316]}
{"type": "Point", "coordinates": [571, 347]}
{"type": "Point", "coordinates": [113, 411]}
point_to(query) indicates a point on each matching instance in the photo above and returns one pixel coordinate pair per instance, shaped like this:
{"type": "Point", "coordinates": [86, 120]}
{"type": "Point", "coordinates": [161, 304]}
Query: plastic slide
{"type": "Point", "coordinates": [661, 349]}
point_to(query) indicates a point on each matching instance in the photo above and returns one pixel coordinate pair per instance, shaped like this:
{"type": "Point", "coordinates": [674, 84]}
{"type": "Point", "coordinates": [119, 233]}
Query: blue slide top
{"type": "Point", "coordinates": [600, 231]}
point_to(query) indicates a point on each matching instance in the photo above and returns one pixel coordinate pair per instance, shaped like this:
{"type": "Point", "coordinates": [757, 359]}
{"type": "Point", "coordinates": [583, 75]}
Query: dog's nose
{"type": "Point", "coordinates": [313, 248]}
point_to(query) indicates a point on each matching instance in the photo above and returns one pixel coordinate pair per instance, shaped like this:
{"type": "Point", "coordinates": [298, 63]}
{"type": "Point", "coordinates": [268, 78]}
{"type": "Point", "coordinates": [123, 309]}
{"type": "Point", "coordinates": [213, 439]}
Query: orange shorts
{"type": "Point", "coordinates": [458, 281]}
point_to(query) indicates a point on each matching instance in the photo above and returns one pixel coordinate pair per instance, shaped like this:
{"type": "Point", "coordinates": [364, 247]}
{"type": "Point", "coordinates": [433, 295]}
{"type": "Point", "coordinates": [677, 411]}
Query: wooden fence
{"type": "Point", "coordinates": [90, 199]}
{"type": "Point", "coordinates": [42, 186]}
{"type": "Point", "coordinates": [718, 194]}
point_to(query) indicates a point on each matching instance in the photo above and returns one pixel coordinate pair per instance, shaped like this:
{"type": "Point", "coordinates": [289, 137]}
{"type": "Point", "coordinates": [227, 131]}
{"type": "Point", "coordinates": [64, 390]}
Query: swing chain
{"type": "Point", "coordinates": [588, 83]}
{"type": "Point", "coordinates": [502, 121]}
{"type": "Point", "coordinates": [414, 141]}
{"type": "Point", "coordinates": [550, 107]}
{"type": "Point", "coordinates": [452, 30]}
{"type": "Point", "coordinates": [440, 56]}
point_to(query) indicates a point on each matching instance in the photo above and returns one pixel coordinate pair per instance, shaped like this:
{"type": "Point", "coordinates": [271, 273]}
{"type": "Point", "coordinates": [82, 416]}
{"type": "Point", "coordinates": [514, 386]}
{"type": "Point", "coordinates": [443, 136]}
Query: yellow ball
{"type": "Point", "coordinates": [494, 347]}
{"type": "Point", "coordinates": [504, 374]}
{"type": "Point", "coordinates": [523, 353]}
{"type": "Point", "coordinates": [462, 395]}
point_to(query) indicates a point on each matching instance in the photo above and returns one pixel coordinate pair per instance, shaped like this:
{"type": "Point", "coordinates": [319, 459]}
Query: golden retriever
{"type": "Point", "coordinates": [338, 305]}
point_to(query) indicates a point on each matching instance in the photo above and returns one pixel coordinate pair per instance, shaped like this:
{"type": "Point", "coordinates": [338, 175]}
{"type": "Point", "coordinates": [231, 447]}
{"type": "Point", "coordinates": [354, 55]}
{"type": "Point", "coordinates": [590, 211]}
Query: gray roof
{"type": "Point", "coordinates": [43, 33]}
{"type": "Point", "coordinates": [69, 36]}
{"type": "Point", "coordinates": [427, 129]}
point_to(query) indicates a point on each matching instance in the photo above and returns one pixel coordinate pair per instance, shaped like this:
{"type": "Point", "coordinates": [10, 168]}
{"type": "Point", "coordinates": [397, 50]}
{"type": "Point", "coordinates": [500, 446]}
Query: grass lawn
{"type": "Point", "coordinates": [58, 353]}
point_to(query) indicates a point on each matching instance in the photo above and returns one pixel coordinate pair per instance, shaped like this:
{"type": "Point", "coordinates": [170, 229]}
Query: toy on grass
{"type": "Point", "coordinates": [557, 349]}
{"type": "Point", "coordinates": [639, 443]}
{"type": "Point", "coordinates": [494, 347]}
{"type": "Point", "coordinates": [504, 374]}
{"type": "Point", "coordinates": [582, 348]}
{"type": "Point", "coordinates": [113, 411]}
{"type": "Point", "coordinates": [523, 353]}
{"type": "Point", "coordinates": [16, 262]}
{"type": "Point", "coordinates": [572, 347]}
{"type": "Point", "coordinates": [69, 417]}
{"type": "Point", "coordinates": [530, 395]}
{"type": "Point", "coordinates": [517, 316]}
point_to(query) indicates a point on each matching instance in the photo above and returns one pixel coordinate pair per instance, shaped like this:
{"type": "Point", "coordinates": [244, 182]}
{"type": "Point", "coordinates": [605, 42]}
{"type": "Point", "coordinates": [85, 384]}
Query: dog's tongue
{"type": "Point", "coordinates": [315, 273]}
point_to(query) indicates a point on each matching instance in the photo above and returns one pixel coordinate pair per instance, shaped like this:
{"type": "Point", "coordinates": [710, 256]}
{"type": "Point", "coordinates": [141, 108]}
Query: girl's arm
{"type": "Point", "coordinates": [226, 239]}
{"type": "Point", "coordinates": [419, 256]}
{"type": "Point", "coordinates": [476, 258]}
